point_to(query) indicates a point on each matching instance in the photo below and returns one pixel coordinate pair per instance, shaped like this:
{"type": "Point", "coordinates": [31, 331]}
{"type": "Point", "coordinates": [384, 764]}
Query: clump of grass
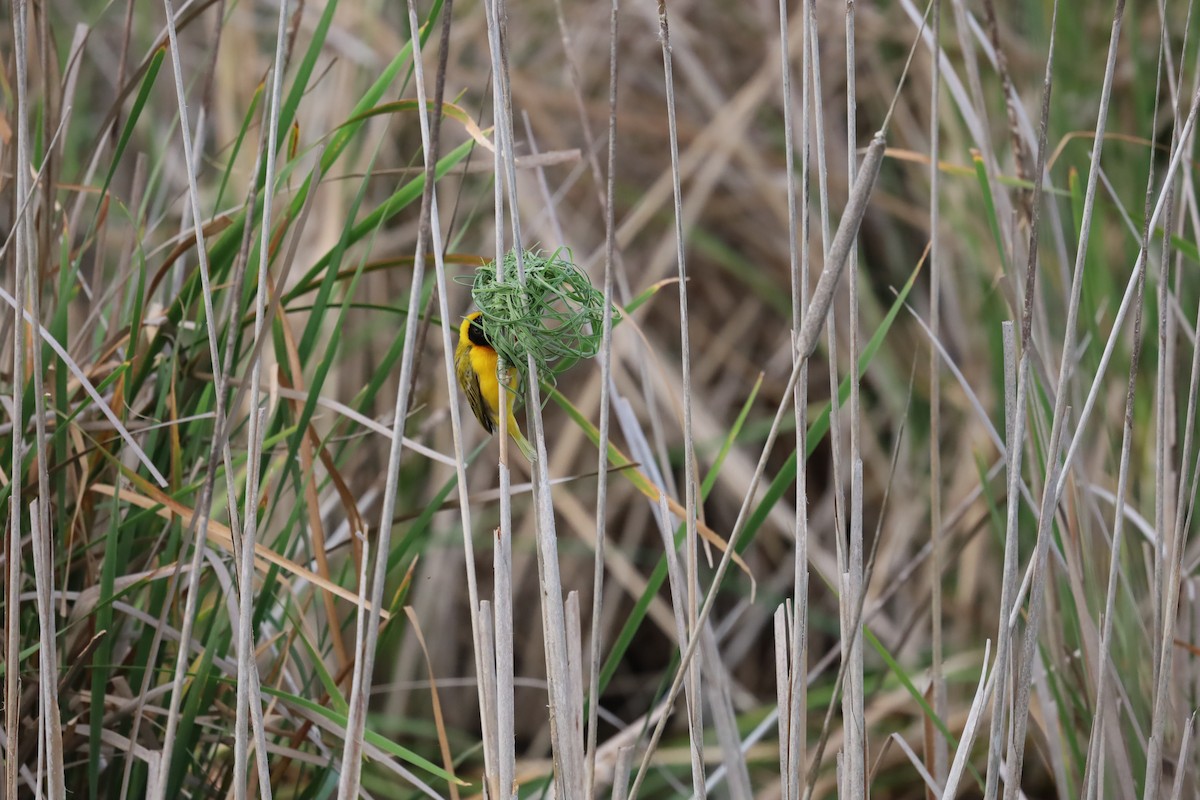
{"type": "Point", "coordinates": [555, 315]}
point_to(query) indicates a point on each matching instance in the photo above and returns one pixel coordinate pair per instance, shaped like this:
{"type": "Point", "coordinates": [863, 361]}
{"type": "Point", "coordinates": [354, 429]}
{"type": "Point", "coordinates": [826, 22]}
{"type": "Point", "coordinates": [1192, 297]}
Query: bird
{"type": "Point", "coordinates": [475, 363]}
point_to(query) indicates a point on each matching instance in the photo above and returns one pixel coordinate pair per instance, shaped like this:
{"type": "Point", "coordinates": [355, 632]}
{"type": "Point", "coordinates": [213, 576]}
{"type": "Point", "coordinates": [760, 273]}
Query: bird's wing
{"type": "Point", "coordinates": [469, 382]}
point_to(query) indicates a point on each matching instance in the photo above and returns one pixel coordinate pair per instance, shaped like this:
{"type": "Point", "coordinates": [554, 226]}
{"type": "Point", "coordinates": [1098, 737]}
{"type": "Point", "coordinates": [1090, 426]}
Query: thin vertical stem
{"type": "Point", "coordinates": [935, 399]}
{"type": "Point", "coordinates": [49, 720]}
{"type": "Point", "coordinates": [1014, 417]}
{"type": "Point", "coordinates": [1172, 564]}
{"type": "Point", "coordinates": [856, 733]}
{"type": "Point", "coordinates": [793, 734]}
{"type": "Point", "coordinates": [621, 773]}
{"type": "Point", "coordinates": [502, 603]}
{"type": "Point", "coordinates": [568, 753]}
{"type": "Point", "coordinates": [1181, 762]}
{"type": "Point", "coordinates": [694, 701]}
{"type": "Point", "coordinates": [835, 425]}
{"type": "Point", "coordinates": [368, 616]}
{"type": "Point", "coordinates": [602, 448]}
{"type": "Point", "coordinates": [835, 416]}
{"type": "Point", "coordinates": [783, 702]}
{"type": "Point", "coordinates": [24, 234]}
{"type": "Point", "coordinates": [245, 627]}
{"type": "Point", "coordinates": [1094, 765]}
{"type": "Point", "coordinates": [200, 539]}
{"type": "Point", "coordinates": [1058, 422]}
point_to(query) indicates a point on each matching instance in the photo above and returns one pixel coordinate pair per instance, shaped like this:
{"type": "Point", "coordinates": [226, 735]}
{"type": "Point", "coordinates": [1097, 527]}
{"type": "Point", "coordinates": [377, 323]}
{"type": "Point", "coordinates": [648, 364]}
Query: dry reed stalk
{"type": "Point", "coordinates": [1053, 468]}
{"type": "Point", "coordinates": [935, 398]}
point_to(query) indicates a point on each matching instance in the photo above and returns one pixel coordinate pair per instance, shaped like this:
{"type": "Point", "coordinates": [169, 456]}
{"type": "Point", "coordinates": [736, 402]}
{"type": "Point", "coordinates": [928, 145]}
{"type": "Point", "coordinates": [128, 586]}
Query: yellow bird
{"type": "Point", "coordinates": [475, 363]}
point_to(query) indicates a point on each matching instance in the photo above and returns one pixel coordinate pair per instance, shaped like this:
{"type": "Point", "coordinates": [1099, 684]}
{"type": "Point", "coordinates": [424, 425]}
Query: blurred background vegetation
{"type": "Point", "coordinates": [111, 247]}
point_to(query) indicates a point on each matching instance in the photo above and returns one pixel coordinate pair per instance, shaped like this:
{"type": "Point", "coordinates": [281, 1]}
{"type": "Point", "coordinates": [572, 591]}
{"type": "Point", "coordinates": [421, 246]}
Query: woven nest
{"type": "Point", "coordinates": [556, 315]}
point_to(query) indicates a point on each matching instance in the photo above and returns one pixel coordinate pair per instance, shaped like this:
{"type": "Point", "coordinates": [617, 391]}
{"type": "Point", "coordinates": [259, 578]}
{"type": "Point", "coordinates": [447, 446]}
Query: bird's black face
{"type": "Point", "coordinates": [476, 335]}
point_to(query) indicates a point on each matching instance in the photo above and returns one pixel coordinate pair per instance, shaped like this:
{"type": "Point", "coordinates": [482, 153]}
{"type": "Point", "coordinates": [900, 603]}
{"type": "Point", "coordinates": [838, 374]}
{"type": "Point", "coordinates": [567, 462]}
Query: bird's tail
{"type": "Point", "coordinates": [522, 443]}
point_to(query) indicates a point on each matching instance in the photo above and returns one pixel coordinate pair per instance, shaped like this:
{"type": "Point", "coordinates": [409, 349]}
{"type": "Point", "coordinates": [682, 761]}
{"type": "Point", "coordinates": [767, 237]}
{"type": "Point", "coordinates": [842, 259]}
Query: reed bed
{"type": "Point", "coordinates": [865, 451]}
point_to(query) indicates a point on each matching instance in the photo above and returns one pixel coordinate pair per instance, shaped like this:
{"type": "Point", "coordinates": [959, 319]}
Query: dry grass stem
{"type": "Point", "coordinates": [236, 242]}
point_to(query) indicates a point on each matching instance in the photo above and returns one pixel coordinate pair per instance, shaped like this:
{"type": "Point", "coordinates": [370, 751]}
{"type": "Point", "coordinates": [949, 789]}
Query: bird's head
{"type": "Point", "coordinates": [475, 332]}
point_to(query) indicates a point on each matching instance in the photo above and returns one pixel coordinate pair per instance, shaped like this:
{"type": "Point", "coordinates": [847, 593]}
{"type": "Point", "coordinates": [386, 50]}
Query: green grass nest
{"type": "Point", "coordinates": [556, 316]}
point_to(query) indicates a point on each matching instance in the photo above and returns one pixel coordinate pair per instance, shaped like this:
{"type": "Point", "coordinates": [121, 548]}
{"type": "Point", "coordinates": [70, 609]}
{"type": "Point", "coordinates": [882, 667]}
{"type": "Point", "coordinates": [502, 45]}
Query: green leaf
{"type": "Point", "coordinates": [989, 208]}
{"type": "Point", "coordinates": [638, 615]}
{"type": "Point", "coordinates": [820, 426]}
{"type": "Point", "coordinates": [919, 698]}
{"type": "Point", "coordinates": [382, 742]}
{"type": "Point", "coordinates": [135, 113]}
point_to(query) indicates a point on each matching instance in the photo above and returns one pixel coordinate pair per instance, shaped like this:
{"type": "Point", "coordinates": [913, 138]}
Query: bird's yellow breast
{"type": "Point", "coordinates": [475, 362]}
{"type": "Point", "coordinates": [483, 362]}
